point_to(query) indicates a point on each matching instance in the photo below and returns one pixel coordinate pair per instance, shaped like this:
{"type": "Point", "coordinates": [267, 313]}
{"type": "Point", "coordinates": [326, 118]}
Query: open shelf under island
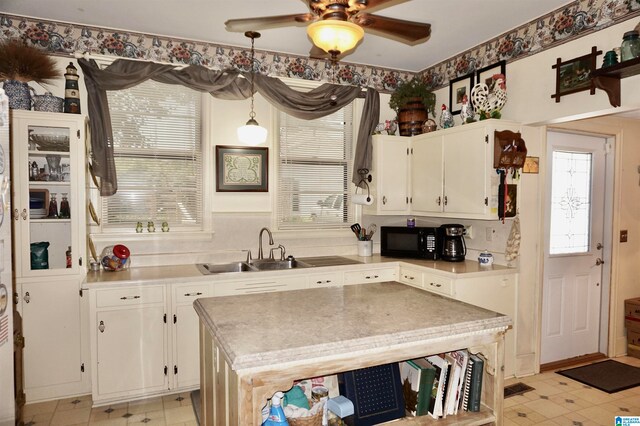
{"type": "Point", "coordinates": [253, 345]}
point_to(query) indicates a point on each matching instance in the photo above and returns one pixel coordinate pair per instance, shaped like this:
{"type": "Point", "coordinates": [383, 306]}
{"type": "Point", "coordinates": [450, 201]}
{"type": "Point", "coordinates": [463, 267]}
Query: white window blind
{"type": "Point", "coordinates": [314, 173]}
{"type": "Point", "coordinates": [158, 157]}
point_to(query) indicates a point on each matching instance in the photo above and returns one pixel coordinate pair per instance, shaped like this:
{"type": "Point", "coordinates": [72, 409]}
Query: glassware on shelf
{"type": "Point", "coordinates": [55, 172]}
{"type": "Point", "coordinates": [65, 210]}
{"type": "Point", "coordinates": [53, 206]}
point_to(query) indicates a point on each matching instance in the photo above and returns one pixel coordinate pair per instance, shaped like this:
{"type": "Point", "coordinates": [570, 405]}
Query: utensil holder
{"type": "Point", "coordinates": [365, 248]}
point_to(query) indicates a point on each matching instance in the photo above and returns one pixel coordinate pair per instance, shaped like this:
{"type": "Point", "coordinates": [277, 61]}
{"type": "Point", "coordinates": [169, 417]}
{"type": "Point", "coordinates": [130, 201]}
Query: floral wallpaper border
{"type": "Point", "coordinates": [577, 19]}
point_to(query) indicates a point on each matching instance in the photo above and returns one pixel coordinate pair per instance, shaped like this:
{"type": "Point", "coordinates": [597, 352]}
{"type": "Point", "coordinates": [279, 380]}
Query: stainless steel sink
{"type": "Point", "coordinates": [277, 265]}
{"type": "Point", "coordinates": [210, 269]}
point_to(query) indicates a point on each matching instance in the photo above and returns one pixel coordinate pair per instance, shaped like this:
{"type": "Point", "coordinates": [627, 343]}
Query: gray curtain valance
{"type": "Point", "coordinates": [122, 74]}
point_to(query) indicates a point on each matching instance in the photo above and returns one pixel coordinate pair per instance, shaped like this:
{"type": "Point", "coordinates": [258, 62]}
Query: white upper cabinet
{"type": "Point", "coordinates": [448, 173]}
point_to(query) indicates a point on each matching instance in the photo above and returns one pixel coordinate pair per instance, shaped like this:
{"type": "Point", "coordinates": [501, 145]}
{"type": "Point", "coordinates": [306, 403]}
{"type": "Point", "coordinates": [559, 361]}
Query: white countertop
{"type": "Point", "coordinates": [190, 274]}
{"type": "Point", "coordinates": [305, 324]}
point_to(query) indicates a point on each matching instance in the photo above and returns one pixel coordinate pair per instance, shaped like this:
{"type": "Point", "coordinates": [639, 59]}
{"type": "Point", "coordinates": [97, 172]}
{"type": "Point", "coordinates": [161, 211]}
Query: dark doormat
{"type": "Point", "coordinates": [608, 376]}
{"type": "Point", "coordinates": [195, 403]}
{"type": "Point", "coordinates": [516, 389]}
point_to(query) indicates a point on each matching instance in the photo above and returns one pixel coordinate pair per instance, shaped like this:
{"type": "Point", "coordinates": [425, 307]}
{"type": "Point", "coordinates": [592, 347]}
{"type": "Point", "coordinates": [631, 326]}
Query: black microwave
{"type": "Point", "coordinates": [416, 242]}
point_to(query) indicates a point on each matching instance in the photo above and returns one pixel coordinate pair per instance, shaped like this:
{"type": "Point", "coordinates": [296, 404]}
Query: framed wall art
{"type": "Point", "coordinates": [485, 75]}
{"type": "Point", "coordinates": [458, 87]}
{"type": "Point", "coordinates": [574, 75]}
{"type": "Point", "coordinates": [242, 169]}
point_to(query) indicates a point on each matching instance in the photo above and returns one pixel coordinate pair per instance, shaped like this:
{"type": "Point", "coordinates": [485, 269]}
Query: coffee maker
{"type": "Point", "coordinates": [453, 246]}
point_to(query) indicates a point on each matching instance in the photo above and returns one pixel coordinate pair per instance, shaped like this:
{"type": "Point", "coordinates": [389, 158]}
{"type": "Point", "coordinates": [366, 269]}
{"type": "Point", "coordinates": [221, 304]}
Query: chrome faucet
{"type": "Point", "coordinates": [260, 256]}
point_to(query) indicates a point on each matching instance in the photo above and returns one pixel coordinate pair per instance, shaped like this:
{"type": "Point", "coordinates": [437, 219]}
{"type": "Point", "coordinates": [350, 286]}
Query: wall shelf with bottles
{"type": "Point", "coordinates": [608, 79]}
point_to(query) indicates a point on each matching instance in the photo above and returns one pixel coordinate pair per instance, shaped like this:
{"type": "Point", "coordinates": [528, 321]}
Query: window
{"type": "Point", "coordinates": [570, 202]}
{"type": "Point", "coordinates": [158, 157]}
{"type": "Point", "coordinates": [314, 171]}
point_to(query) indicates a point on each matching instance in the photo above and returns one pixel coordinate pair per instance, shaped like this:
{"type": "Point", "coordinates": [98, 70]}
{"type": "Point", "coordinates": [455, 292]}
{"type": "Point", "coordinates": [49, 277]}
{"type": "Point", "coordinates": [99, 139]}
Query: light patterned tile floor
{"type": "Point", "coordinates": [556, 400]}
{"type": "Point", "coordinates": [170, 410]}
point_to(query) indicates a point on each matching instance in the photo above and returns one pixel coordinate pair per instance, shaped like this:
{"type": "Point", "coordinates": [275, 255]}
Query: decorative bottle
{"type": "Point", "coordinates": [630, 47]}
{"type": "Point", "coordinates": [68, 253]}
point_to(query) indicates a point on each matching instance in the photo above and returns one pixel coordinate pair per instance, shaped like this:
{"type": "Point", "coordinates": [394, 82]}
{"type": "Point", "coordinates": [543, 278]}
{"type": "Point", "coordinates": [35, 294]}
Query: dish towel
{"type": "Point", "coordinates": [513, 242]}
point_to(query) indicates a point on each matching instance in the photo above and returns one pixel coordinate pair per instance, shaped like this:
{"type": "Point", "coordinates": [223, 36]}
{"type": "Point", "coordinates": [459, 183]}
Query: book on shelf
{"type": "Point", "coordinates": [439, 385]}
{"type": "Point", "coordinates": [476, 364]}
{"type": "Point", "coordinates": [459, 363]}
{"type": "Point", "coordinates": [417, 381]}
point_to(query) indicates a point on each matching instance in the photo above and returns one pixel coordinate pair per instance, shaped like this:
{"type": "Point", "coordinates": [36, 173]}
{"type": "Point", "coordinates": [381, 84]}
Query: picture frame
{"type": "Point", "coordinates": [458, 87]}
{"type": "Point", "coordinates": [242, 169]}
{"type": "Point", "coordinates": [531, 165]}
{"type": "Point", "coordinates": [574, 75]}
{"type": "Point", "coordinates": [485, 75]}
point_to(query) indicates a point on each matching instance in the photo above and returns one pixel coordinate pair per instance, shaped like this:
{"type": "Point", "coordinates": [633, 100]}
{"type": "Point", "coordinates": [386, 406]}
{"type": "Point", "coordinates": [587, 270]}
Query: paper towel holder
{"type": "Point", "coordinates": [365, 178]}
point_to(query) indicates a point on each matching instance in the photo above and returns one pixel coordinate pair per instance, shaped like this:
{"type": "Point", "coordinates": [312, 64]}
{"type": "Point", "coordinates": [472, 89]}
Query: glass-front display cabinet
{"type": "Point", "coordinates": [48, 192]}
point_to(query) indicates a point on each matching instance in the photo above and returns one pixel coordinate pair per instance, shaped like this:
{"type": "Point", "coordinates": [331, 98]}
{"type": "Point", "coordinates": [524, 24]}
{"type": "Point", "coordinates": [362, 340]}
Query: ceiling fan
{"type": "Point", "coordinates": [336, 26]}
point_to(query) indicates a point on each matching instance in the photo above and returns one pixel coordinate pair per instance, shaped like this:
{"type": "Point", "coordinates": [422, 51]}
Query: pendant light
{"type": "Point", "coordinates": [252, 133]}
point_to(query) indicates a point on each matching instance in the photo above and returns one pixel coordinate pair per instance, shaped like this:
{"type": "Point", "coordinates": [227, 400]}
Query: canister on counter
{"type": "Point", "coordinates": [321, 393]}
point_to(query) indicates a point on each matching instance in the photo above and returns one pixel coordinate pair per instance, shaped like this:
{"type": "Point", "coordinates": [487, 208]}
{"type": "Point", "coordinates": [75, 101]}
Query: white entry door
{"type": "Point", "coordinates": [573, 246]}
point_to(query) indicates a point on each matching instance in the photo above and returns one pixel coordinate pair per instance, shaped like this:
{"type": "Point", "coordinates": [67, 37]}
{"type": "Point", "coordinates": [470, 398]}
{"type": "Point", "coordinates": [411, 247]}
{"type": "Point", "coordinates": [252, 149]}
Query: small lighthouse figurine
{"type": "Point", "coordinates": [71, 90]}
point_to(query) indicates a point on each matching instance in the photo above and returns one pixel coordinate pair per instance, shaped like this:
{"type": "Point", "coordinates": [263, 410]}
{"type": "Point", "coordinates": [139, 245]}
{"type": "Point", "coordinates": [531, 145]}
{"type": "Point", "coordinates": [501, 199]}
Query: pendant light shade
{"type": "Point", "coordinates": [335, 36]}
{"type": "Point", "coordinates": [252, 133]}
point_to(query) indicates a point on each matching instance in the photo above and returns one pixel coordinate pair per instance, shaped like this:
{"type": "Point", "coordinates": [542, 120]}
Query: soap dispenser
{"type": "Point", "coordinates": [276, 414]}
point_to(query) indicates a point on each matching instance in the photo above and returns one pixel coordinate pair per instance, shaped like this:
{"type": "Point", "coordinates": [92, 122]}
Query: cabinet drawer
{"type": "Point", "coordinates": [187, 294]}
{"type": "Point", "coordinates": [438, 284]}
{"type": "Point", "coordinates": [410, 276]}
{"type": "Point", "coordinates": [325, 280]}
{"type": "Point", "coordinates": [371, 276]}
{"type": "Point", "coordinates": [142, 295]}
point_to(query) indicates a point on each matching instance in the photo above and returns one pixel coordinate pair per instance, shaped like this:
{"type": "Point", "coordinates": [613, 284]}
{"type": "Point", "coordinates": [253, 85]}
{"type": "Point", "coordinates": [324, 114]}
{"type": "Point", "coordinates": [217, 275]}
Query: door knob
{"type": "Point", "coordinates": [599, 262]}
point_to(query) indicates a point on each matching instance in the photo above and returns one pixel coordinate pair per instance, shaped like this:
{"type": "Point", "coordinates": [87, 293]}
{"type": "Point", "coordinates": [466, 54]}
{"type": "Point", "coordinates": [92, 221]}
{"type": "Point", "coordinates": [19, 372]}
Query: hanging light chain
{"type": "Point", "coordinates": [252, 114]}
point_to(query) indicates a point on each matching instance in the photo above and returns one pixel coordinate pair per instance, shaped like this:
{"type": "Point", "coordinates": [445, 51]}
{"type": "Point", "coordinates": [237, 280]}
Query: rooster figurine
{"type": "Point", "coordinates": [466, 111]}
{"type": "Point", "coordinates": [486, 102]}
{"type": "Point", "coordinates": [446, 119]}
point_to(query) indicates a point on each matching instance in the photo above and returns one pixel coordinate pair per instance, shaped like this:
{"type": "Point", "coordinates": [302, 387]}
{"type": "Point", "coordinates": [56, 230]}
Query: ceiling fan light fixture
{"type": "Point", "coordinates": [335, 36]}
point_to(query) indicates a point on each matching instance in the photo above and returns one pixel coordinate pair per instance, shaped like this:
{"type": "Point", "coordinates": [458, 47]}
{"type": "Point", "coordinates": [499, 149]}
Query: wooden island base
{"type": "Point", "coordinates": [236, 380]}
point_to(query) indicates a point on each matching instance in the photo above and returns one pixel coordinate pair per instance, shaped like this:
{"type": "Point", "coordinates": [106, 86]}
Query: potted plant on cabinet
{"type": "Point", "coordinates": [412, 101]}
{"type": "Point", "coordinates": [20, 64]}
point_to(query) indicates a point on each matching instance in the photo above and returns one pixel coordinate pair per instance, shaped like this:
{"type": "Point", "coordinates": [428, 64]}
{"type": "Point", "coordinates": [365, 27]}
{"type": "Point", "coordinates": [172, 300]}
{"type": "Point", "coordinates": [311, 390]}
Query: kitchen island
{"type": "Point", "coordinates": [254, 345]}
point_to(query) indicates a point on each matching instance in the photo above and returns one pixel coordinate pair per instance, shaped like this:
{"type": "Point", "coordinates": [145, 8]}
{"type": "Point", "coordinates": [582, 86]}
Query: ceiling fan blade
{"type": "Point", "coordinates": [407, 32]}
{"type": "Point", "coordinates": [376, 5]}
{"type": "Point", "coordinates": [263, 23]}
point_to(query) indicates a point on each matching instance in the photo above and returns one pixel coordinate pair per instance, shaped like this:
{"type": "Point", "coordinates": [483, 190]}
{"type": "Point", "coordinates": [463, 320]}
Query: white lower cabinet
{"type": "Point", "coordinates": [54, 360]}
{"type": "Point", "coordinates": [128, 342]}
{"type": "Point", "coordinates": [184, 335]}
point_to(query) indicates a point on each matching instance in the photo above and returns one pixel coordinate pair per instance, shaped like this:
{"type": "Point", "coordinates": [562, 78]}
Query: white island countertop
{"type": "Point", "coordinates": [277, 328]}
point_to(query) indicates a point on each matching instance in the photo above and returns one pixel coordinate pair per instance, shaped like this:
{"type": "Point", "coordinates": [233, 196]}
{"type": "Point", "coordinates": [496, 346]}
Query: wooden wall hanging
{"type": "Point", "coordinates": [509, 150]}
{"type": "Point", "coordinates": [574, 75]}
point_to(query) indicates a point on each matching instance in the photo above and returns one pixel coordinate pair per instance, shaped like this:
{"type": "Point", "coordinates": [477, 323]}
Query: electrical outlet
{"type": "Point", "coordinates": [624, 235]}
{"type": "Point", "coordinates": [469, 232]}
{"type": "Point", "coordinates": [490, 234]}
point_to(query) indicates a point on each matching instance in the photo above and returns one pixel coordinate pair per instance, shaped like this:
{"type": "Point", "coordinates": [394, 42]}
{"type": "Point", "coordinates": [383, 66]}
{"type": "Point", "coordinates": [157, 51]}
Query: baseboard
{"type": "Point", "coordinates": [572, 362]}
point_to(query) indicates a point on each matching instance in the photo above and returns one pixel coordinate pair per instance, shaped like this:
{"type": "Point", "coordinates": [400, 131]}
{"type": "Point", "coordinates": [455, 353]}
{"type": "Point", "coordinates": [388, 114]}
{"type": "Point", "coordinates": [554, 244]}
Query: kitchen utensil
{"type": "Point", "coordinates": [371, 230]}
{"type": "Point", "coordinates": [356, 228]}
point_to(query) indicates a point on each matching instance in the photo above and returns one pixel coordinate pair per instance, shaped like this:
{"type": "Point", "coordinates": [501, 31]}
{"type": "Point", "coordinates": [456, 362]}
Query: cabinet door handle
{"type": "Point", "coordinates": [445, 200]}
{"type": "Point", "coordinates": [439, 200]}
{"type": "Point", "coordinates": [27, 297]}
{"type": "Point", "coordinates": [193, 294]}
{"type": "Point", "coordinates": [101, 327]}
{"type": "Point", "coordinates": [435, 285]}
{"type": "Point", "coordinates": [408, 277]}
{"type": "Point", "coordinates": [24, 214]}
{"type": "Point", "coordinates": [384, 199]}
{"type": "Point", "coordinates": [16, 214]}
{"type": "Point", "coordinates": [129, 297]}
